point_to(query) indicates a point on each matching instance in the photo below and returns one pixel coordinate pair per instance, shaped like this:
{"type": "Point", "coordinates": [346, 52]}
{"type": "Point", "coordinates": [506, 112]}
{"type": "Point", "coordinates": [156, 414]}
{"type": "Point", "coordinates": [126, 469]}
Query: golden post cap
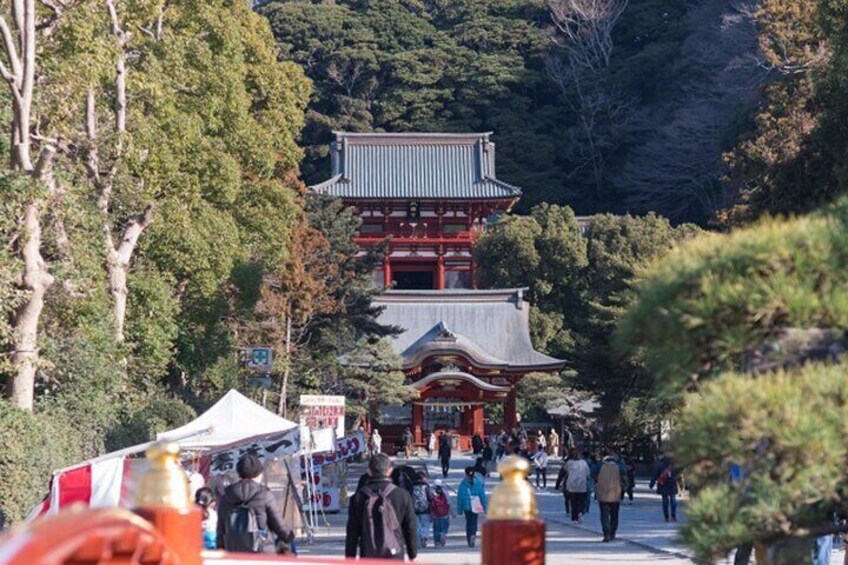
{"type": "Point", "coordinates": [514, 498]}
{"type": "Point", "coordinates": [164, 483]}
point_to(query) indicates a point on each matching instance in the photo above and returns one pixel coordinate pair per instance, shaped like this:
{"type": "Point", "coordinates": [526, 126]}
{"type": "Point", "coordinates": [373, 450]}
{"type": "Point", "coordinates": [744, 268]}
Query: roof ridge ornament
{"type": "Point", "coordinates": [444, 333]}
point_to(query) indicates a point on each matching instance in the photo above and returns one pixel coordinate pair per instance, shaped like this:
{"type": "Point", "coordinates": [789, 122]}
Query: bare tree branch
{"type": "Point", "coordinates": [11, 49]}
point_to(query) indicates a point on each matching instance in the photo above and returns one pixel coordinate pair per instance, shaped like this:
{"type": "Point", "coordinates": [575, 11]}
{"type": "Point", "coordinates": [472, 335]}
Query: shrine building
{"type": "Point", "coordinates": [423, 199]}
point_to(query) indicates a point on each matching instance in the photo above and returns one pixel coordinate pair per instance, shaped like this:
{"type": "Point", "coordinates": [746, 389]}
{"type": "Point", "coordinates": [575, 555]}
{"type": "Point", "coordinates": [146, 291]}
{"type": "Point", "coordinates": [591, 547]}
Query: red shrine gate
{"type": "Point", "coordinates": [425, 198]}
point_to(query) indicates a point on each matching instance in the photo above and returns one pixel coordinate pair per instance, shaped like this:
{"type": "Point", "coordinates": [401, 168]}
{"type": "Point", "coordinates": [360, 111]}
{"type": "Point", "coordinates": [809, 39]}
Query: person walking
{"type": "Point", "coordinates": [665, 478]}
{"type": "Point", "coordinates": [431, 443]}
{"type": "Point", "coordinates": [577, 483]}
{"type": "Point", "coordinates": [610, 485]}
{"type": "Point", "coordinates": [480, 469]}
{"type": "Point", "coordinates": [541, 440]}
{"type": "Point", "coordinates": [381, 518]}
{"type": "Point", "coordinates": [503, 442]}
{"type": "Point", "coordinates": [553, 443]}
{"type": "Point", "coordinates": [471, 500]}
{"type": "Point", "coordinates": [440, 510]}
{"type": "Point", "coordinates": [422, 497]}
{"type": "Point", "coordinates": [476, 444]}
{"type": "Point", "coordinates": [248, 503]}
{"type": "Point", "coordinates": [540, 466]}
{"type": "Point", "coordinates": [445, 452]}
{"type": "Point", "coordinates": [562, 482]}
{"type": "Point", "coordinates": [376, 442]}
{"type": "Point", "coordinates": [488, 457]}
{"type": "Point", "coordinates": [408, 442]}
{"type": "Point", "coordinates": [631, 477]}
{"type": "Point", "coordinates": [594, 467]}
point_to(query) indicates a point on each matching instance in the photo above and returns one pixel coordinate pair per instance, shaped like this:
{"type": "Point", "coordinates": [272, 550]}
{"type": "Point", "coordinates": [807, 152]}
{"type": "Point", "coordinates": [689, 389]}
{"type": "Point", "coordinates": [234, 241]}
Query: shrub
{"type": "Point", "coordinates": [33, 447]}
{"type": "Point", "coordinates": [715, 297]}
{"type": "Point", "coordinates": [787, 431]}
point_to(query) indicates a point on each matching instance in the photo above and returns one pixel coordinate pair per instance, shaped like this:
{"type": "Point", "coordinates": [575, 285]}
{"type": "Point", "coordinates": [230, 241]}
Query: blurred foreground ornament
{"type": "Point", "coordinates": [163, 499]}
{"type": "Point", "coordinates": [513, 533]}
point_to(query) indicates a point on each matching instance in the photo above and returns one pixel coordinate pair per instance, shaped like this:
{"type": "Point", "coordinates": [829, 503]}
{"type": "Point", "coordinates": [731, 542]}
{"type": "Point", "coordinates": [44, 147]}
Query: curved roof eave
{"type": "Point", "coordinates": [482, 385]}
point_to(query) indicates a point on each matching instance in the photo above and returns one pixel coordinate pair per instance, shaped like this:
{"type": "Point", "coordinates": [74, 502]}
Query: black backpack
{"type": "Point", "coordinates": [241, 530]}
{"type": "Point", "coordinates": [381, 531]}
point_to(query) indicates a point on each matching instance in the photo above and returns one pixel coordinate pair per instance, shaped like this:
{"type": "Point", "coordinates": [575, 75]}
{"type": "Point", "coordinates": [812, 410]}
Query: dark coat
{"type": "Point", "coordinates": [477, 444]}
{"type": "Point", "coordinates": [363, 478]}
{"type": "Point", "coordinates": [670, 486]}
{"type": "Point", "coordinates": [262, 504]}
{"type": "Point", "coordinates": [402, 503]}
{"type": "Point", "coordinates": [444, 446]}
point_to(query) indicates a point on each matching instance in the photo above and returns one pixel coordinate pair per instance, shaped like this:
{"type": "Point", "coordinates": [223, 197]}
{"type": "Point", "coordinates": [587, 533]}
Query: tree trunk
{"type": "Point", "coordinates": [118, 266]}
{"type": "Point", "coordinates": [17, 68]}
{"type": "Point", "coordinates": [36, 282]}
{"type": "Point", "coordinates": [282, 406]}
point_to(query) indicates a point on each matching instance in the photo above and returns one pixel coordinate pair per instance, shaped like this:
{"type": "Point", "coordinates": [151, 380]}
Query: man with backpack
{"type": "Point", "coordinates": [441, 511]}
{"type": "Point", "coordinates": [611, 483]}
{"type": "Point", "coordinates": [422, 496]}
{"type": "Point", "coordinates": [381, 519]}
{"type": "Point", "coordinates": [248, 514]}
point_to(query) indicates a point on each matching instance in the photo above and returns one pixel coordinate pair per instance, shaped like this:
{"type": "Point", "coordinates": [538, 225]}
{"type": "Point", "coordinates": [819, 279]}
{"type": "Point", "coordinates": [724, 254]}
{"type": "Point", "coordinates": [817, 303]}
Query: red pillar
{"type": "Point", "coordinates": [417, 421]}
{"type": "Point", "coordinates": [387, 273]}
{"type": "Point", "coordinates": [464, 422]}
{"type": "Point", "coordinates": [473, 277]}
{"type": "Point", "coordinates": [440, 273]}
{"type": "Point", "coordinates": [510, 420]}
{"type": "Point", "coordinates": [477, 421]}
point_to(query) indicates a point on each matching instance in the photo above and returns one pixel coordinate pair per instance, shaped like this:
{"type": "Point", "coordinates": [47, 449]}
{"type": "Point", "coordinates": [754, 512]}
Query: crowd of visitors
{"type": "Point", "coordinates": [395, 511]}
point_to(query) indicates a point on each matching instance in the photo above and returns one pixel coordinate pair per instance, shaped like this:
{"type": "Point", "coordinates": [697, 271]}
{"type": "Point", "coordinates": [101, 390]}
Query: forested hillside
{"type": "Point", "coordinates": [639, 125]}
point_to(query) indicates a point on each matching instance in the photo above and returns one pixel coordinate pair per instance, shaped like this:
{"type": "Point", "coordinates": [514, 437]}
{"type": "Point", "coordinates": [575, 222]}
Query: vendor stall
{"type": "Point", "coordinates": [211, 445]}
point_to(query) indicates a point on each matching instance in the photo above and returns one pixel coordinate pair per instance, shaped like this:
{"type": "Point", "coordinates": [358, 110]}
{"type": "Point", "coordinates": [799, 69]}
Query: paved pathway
{"type": "Point", "coordinates": [644, 536]}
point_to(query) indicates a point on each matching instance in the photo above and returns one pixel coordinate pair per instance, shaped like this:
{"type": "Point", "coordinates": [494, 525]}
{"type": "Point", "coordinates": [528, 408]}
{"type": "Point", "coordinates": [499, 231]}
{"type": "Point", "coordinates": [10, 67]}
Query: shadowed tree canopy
{"type": "Point", "coordinates": [580, 283]}
{"type": "Point", "coordinates": [487, 65]}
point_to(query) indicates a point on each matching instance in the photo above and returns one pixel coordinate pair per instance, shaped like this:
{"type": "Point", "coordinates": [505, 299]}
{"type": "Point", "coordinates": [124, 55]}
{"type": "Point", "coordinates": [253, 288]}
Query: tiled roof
{"type": "Point", "coordinates": [414, 166]}
{"type": "Point", "coordinates": [490, 327]}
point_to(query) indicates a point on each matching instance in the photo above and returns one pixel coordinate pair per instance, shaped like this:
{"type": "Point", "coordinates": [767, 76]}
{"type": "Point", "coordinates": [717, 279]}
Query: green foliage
{"type": "Point", "coordinates": [790, 160]}
{"type": "Point", "coordinates": [210, 142]}
{"type": "Point", "coordinates": [469, 65]}
{"type": "Point", "coordinates": [219, 122]}
{"type": "Point", "coordinates": [66, 429]}
{"type": "Point", "coordinates": [372, 377]}
{"type": "Point", "coordinates": [15, 189]}
{"type": "Point", "coordinates": [579, 286]}
{"type": "Point", "coordinates": [705, 304]}
{"type": "Point", "coordinates": [538, 392]}
{"type": "Point", "coordinates": [787, 431]}
{"type": "Point", "coordinates": [698, 313]}
{"type": "Point", "coordinates": [32, 448]}
{"type": "Point", "coordinates": [159, 413]}
{"type": "Point", "coordinates": [544, 252]}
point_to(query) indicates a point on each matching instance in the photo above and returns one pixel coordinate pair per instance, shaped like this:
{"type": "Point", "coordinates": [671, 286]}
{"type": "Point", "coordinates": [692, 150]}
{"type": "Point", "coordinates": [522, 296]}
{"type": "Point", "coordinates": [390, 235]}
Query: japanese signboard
{"type": "Point", "coordinates": [346, 447]}
{"type": "Point", "coordinates": [322, 411]}
{"type": "Point", "coordinates": [270, 447]}
{"type": "Point", "coordinates": [325, 474]}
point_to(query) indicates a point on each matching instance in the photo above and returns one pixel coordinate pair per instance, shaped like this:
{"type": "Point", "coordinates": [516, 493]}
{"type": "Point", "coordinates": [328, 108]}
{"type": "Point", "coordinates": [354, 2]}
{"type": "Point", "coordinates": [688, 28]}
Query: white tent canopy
{"type": "Point", "coordinates": [232, 419]}
{"type": "Point", "coordinates": [100, 482]}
